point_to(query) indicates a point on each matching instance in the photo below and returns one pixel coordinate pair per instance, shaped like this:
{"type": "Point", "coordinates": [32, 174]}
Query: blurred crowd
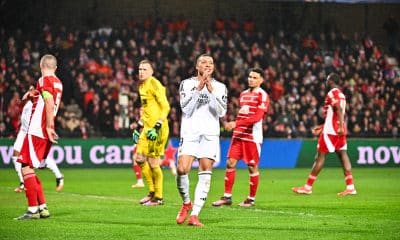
{"type": "Point", "coordinates": [98, 69]}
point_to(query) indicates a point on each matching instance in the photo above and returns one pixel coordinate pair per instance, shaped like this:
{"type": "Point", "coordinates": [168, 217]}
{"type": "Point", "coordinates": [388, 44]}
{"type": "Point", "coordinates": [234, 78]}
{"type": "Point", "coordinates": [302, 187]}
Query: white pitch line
{"type": "Point", "coordinates": [291, 213]}
{"type": "Point", "coordinates": [125, 199]}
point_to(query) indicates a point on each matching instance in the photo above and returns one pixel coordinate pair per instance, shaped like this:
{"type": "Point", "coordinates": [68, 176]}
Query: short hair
{"type": "Point", "coordinates": [257, 70]}
{"type": "Point", "coordinates": [48, 61]}
{"type": "Point", "coordinates": [202, 55]}
{"type": "Point", "coordinates": [146, 61]}
{"type": "Point", "coordinates": [333, 77]}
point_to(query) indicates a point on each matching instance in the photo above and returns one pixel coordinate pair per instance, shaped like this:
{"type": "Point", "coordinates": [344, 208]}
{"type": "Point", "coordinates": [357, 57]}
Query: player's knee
{"type": "Point", "coordinates": [231, 163]}
{"type": "Point", "coordinates": [252, 168]}
{"type": "Point", "coordinates": [139, 159]}
{"type": "Point", "coordinates": [181, 170]}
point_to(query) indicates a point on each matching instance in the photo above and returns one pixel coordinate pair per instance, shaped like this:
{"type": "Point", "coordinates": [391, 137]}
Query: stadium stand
{"type": "Point", "coordinates": [99, 67]}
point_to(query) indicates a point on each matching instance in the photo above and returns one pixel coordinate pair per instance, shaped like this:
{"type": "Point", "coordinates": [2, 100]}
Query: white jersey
{"type": "Point", "coordinates": [23, 129]}
{"type": "Point", "coordinates": [26, 116]}
{"type": "Point", "coordinates": [201, 110]}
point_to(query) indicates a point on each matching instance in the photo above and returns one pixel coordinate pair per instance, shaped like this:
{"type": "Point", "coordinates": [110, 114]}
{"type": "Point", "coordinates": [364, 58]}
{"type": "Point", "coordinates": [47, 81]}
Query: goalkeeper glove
{"type": "Point", "coordinates": [135, 136]}
{"type": "Point", "coordinates": [136, 132]}
{"type": "Point", "coordinates": [152, 133]}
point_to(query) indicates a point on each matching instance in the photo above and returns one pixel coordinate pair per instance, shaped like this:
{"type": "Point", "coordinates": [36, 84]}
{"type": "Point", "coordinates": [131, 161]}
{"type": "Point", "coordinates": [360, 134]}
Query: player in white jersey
{"type": "Point", "coordinates": [332, 138]}
{"type": "Point", "coordinates": [203, 101]}
{"type": "Point", "coordinates": [41, 134]}
{"type": "Point", "coordinates": [49, 163]}
{"type": "Point", "coordinates": [247, 138]}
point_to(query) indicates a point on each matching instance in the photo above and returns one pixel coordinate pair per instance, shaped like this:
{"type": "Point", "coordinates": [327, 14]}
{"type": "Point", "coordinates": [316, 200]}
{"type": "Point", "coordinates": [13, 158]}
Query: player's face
{"type": "Point", "coordinates": [254, 79]}
{"type": "Point", "coordinates": [205, 64]}
{"type": "Point", "coordinates": [145, 71]}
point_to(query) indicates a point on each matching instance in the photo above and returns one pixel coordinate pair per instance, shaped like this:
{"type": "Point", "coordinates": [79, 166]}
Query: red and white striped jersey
{"type": "Point", "coordinates": [37, 124]}
{"type": "Point", "coordinates": [334, 98]}
{"type": "Point", "coordinates": [253, 106]}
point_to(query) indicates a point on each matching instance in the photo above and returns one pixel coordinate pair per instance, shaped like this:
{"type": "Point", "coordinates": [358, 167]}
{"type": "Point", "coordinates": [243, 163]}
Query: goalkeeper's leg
{"type": "Point", "coordinates": [148, 174]}
{"type": "Point", "coordinates": [158, 177]}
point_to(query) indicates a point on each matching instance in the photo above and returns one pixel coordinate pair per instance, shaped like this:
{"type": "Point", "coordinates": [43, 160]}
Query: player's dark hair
{"type": "Point", "coordinates": [333, 77]}
{"type": "Point", "coordinates": [257, 70]}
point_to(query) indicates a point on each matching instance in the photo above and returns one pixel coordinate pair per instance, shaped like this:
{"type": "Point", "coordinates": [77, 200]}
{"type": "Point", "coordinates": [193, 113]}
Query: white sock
{"type": "Point", "coordinates": [182, 182]}
{"type": "Point", "coordinates": [201, 192]}
{"type": "Point", "coordinates": [51, 164]}
{"type": "Point", "coordinates": [42, 206]}
{"type": "Point", "coordinates": [350, 187]}
{"type": "Point", "coordinates": [33, 209]}
{"type": "Point", "coordinates": [18, 169]}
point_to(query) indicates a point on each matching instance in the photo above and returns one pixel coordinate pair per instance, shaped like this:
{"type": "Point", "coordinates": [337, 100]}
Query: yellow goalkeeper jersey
{"type": "Point", "coordinates": [154, 101]}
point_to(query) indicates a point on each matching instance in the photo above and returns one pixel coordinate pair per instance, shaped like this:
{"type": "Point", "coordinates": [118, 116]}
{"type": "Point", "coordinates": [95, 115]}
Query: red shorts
{"type": "Point", "coordinates": [34, 151]}
{"type": "Point", "coordinates": [331, 143]}
{"type": "Point", "coordinates": [247, 151]}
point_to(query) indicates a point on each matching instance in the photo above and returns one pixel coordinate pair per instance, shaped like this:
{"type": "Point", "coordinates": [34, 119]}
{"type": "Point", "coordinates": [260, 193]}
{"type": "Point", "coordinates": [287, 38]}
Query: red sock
{"type": "Point", "coordinates": [254, 179]}
{"type": "Point", "coordinates": [31, 189]}
{"type": "Point", "coordinates": [230, 175]}
{"type": "Point", "coordinates": [348, 178]}
{"type": "Point", "coordinates": [311, 179]}
{"type": "Point", "coordinates": [138, 171]}
{"type": "Point", "coordinates": [40, 193]}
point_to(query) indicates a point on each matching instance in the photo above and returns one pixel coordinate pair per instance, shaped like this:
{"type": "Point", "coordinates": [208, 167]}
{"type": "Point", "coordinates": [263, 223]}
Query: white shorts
{"type": "Point", "coordinates": [203, 147]}
{"type": "Point", "coordinates": [19, 141]}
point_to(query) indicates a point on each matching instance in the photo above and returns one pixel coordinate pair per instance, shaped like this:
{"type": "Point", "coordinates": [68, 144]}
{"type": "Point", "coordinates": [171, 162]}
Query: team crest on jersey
{"type": "Point", "coordinates": [203, 99]}
{"type": "Point", "coordinates": [245, 109]}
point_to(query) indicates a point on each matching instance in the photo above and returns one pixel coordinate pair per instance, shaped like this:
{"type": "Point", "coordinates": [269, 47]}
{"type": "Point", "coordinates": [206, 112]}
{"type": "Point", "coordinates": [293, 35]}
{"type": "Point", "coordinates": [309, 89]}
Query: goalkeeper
{"type": "Point", "coordinates": [151, 135]}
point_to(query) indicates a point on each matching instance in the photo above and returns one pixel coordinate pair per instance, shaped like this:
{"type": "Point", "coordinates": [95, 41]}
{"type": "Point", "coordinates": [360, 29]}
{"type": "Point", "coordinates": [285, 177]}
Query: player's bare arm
{"type": "Point", "coordinates": [317, 130]}
{"type": "Point", "coordinates": [207, 80]}
{"type": "Point", "coordinates": [28, 95]}
{"type": "Point", "coordinates": [49, 108]}
{"type": "Point", "coordinates": [201, 84]}
{"type": "Point", "coordinates": [229, 126]}
{"type": "Point", "coordinates": [339, 112]}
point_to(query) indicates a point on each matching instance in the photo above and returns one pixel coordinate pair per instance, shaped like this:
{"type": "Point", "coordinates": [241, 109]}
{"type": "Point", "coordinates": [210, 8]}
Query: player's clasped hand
{"type": "Point", "coordinates": [135, 136]}
{"type": "Point", "coordinates": [152, 134]}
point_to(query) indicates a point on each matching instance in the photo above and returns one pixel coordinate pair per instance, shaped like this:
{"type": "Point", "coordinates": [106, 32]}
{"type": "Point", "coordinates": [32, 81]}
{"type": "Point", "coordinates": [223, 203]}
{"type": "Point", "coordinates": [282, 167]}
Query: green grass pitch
{"type": "Point", "coordinates": [100, 204]}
